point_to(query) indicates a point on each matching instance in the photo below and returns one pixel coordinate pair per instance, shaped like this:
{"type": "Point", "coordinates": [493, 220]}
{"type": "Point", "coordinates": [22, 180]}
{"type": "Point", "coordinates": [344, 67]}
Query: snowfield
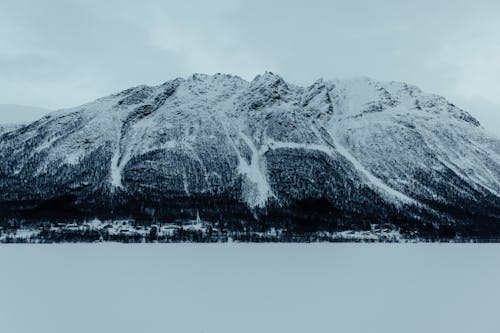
{"type": "Point", "coordinates": [109, 287]}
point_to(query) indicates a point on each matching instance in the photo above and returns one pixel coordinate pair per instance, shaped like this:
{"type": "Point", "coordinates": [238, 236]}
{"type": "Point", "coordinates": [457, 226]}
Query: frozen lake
{"type": "Point", "coordinates": [219, 288]}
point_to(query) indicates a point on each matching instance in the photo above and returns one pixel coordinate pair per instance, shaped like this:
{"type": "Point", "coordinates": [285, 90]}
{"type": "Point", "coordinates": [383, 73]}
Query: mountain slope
{"type": "Point", "coordinates": [5, 128]}
{"type": "Point", "coordinates": [335, 153]}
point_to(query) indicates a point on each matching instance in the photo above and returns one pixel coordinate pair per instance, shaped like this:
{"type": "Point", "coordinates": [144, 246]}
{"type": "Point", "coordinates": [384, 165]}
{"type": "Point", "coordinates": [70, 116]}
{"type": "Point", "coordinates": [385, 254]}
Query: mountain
{"type": "Point", "coordinates": [18, 114]}
{"type": "Point", "coordinates": [339, 154]}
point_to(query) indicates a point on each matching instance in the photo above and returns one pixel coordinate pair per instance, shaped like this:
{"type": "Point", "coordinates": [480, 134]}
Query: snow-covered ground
{"type": "Point", "coordinates": [109, 287]}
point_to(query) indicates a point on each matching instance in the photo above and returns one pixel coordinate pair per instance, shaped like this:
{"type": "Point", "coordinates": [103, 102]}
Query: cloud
{"type": "Point", "coordinates": [71, 54]}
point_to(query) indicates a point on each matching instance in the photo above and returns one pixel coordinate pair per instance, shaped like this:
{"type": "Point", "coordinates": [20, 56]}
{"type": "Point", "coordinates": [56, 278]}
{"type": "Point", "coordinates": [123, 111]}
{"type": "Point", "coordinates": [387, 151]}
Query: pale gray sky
{"type": "Point", "coordinates": [56, 53]}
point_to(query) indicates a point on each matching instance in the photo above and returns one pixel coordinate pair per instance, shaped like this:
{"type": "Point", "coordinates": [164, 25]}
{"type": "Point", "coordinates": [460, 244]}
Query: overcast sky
{"type": "Point", "coordinates": [56, 53]}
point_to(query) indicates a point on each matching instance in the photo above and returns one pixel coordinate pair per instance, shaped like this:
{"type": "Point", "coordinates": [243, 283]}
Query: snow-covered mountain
{"type": "Point", "coordinates": [334, 153]}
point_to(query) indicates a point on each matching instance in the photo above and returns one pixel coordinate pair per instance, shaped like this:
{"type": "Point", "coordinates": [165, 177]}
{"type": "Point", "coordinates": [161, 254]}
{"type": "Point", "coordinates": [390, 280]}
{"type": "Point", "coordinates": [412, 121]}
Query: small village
{"type": "Point", "coordinates": [128, 231]}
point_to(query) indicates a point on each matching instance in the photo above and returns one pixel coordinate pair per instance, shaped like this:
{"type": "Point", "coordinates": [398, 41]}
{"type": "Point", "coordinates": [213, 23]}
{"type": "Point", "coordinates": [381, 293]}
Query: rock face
{"type": "Point", "coordinates": [335, 154]}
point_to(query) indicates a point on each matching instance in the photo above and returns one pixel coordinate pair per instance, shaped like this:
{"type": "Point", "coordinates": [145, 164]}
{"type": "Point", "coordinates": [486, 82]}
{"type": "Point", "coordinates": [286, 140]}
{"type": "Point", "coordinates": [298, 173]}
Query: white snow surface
{"type": "Point", "coordinates": [248, 288]}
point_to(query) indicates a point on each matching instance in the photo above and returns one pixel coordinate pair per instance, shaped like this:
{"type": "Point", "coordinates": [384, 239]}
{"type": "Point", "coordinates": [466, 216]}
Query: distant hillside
{"type": "Point", "coordinates": [14, 114]}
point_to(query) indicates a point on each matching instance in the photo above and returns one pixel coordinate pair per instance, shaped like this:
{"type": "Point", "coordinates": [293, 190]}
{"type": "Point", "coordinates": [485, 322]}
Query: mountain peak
{"type": "Point", "coordinates": [268, 78]}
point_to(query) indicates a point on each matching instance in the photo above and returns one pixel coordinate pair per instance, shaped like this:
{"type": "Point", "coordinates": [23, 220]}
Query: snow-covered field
{"type": "Point", "coordinates": [220, 288]}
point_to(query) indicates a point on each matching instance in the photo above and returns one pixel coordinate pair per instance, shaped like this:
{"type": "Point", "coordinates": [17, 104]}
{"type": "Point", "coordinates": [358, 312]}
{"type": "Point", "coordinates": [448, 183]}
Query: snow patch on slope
{"type": "Point", "coordinates": [375, 181]}
{"type": "Point", "coordinates": [116, 170]}
{"type": "Point", "coordinates": [255, 171]}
